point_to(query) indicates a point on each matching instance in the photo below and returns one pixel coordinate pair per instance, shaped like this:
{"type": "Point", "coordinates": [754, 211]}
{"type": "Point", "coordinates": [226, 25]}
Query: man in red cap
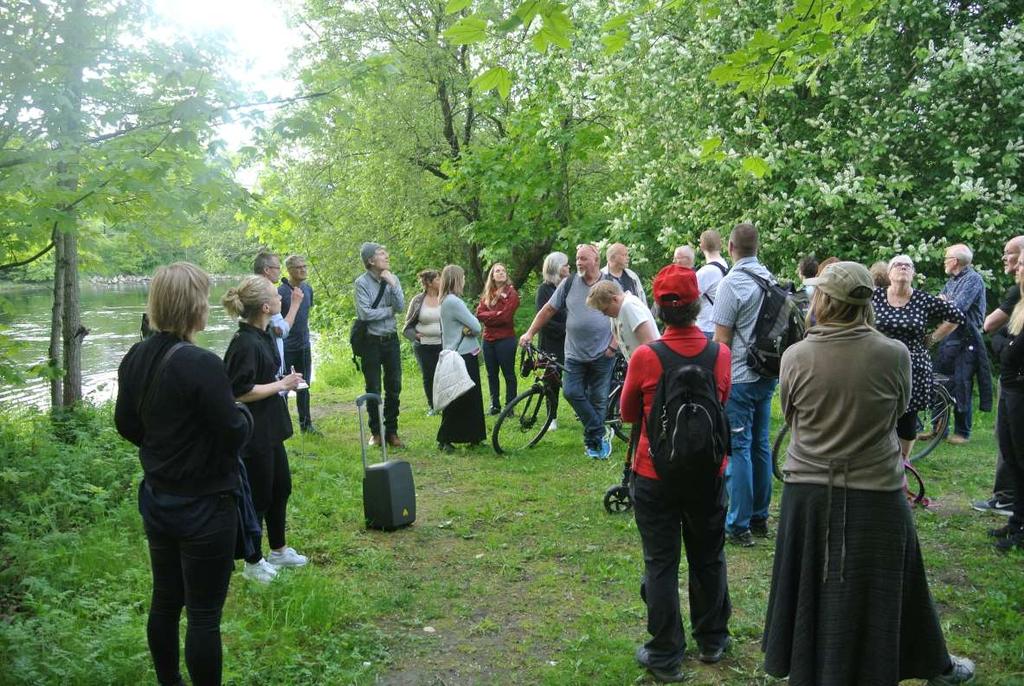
{"type": "Point", "coordinates": [694, 511]}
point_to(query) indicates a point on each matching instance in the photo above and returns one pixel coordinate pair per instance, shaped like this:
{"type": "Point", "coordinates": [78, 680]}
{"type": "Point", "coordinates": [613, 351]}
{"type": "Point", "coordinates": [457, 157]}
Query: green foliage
{"type": "Point", "coordinates": [107, 137]}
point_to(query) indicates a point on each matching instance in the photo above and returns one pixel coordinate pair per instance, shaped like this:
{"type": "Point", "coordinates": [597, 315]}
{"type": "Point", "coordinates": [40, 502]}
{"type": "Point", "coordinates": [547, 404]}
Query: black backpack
{"type": "Point", "coordinates": [687, 427]}
{"type": "Point", "coordinates": [778, 326]}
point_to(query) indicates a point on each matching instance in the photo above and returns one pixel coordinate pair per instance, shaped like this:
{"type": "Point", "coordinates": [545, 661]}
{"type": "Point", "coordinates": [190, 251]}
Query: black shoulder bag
{"type": "Point", "coordinates": [359, 336]}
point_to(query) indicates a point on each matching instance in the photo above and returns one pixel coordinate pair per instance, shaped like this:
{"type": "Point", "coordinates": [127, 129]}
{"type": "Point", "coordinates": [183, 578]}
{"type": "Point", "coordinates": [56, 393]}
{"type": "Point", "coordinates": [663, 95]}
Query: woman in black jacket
{"type": "Point", "coordinates": [1010, 419]}
{"type": "Point", "coordinates": [175, 403]}
{"type": "Point", "coordinates": [252, 365]}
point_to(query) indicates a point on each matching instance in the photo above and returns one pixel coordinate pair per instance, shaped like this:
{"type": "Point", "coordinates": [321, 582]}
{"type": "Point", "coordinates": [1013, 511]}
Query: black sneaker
{"type": "Point", "coordinates": [1011, 541]}
{"type": "Point", "coordinates": [743, 538]}
{"type": "Point", "coordinates": [1001, 532]}
{"type": "Point", "coordinates": [759, 528]}
{"type": "Point", "coordinates": [995, 505]}
{"type": "Point", "coordinates": [663, 675]}
{"type": "Point", "coordinates": [495, 410]}
{"type": "Point", "coordinates": [712, 655]}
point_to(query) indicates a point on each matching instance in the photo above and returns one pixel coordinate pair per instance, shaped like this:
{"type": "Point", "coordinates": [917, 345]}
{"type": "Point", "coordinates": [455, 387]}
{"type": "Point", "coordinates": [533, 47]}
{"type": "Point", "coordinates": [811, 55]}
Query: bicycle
{"type": "Point", "coordinates": [527, 417]}
{"type": "Point", "coordinates": [943, 406]}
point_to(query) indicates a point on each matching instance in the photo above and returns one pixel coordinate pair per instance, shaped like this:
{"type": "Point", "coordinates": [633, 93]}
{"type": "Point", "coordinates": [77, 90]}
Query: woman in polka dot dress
{"type": "Point", "coordinates": [905, 313]}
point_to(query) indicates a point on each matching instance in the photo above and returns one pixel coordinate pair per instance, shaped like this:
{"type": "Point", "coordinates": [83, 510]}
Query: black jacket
{"type": "Point", "coordinates": [189, 442]}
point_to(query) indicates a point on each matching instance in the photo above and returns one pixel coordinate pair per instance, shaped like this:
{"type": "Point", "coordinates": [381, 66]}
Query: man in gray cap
{"type": "Point", "coordinates": [379, 298]}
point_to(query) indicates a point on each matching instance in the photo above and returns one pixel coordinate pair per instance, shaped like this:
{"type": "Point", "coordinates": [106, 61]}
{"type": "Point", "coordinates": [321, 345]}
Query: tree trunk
{"type": "Point", "coordinates": [72, 328]}
{"type": "Point", "coordinates": [56, 318]}
{"type": "Point", "coordinates": [70, 127]}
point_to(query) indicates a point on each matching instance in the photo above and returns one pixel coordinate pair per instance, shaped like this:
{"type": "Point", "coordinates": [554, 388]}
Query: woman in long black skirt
{"type": "Point", "coordinates": [462, 421]}
{"type": "Point", "coordinates": [849, 602]}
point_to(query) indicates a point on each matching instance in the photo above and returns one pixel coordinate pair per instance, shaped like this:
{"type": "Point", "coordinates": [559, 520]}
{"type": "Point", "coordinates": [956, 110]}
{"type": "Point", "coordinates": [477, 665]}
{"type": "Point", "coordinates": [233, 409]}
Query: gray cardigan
{"type": "Point", "coordinates": [454, 316]}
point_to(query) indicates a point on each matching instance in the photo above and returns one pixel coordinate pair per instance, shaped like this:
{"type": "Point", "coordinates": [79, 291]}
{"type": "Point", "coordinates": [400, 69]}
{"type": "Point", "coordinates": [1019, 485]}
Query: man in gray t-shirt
{"type": "Point", "coordinates": [589, 349]}
{"type": "Point", "coordinates": [748, 477]}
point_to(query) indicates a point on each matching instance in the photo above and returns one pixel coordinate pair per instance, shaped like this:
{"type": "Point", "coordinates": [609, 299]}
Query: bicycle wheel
{"type": "Point", "coordinates": [613, 417]}
{"type": "Point", "coordinates": [523, 421]}
{"type": "Point", "coordinates": [942, 407]}
{"type": "Point", "coordinates": [914, 486]}
{"type": "Point", "coordinates": [779, 451]}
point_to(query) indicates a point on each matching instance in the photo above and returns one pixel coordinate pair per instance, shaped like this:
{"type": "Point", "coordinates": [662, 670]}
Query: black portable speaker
{"type": "Point", "coordinates": [389, 494]}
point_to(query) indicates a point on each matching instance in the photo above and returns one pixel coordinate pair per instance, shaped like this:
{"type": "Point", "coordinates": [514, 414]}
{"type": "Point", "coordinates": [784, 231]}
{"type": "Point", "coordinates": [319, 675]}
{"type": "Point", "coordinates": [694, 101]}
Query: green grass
{"type": "Point", "coordinates": [512, 574]}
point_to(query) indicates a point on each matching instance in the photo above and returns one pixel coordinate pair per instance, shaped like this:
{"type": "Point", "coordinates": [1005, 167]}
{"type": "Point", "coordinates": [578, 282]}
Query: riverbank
{"type": "Point", "coordinates": [512, 574]}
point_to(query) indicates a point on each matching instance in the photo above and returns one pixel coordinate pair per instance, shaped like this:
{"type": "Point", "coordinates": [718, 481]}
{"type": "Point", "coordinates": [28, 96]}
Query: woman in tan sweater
{"type": "Point", "coordinates": [849, 601]}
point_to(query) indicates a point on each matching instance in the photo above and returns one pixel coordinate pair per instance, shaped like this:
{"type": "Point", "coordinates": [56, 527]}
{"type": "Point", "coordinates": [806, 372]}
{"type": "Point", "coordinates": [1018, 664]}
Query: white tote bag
{"type": "Point", "coordinates": [451, 379]}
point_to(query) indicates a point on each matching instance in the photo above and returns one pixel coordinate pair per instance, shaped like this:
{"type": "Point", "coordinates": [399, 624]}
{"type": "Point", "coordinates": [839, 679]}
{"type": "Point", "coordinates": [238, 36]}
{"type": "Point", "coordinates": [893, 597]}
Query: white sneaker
{"type": "Point", "coordinates": [960, 672]}
{"type": "Point", "coordinates": [553, 425]}
{"type": "Point", "coordinates": [286, 558]}
{"type": "Point", "coordinates": [261, 571]}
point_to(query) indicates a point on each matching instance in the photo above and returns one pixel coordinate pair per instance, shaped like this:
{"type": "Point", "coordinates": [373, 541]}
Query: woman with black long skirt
{"type": "Point", "coordinates": [253, 365]}
{"type": "Point", "coordinates": [849, 601]}
{"type": "Point", "coordinates": [174, 401]}
{"type": "Point", "coordinates": [462, 421]}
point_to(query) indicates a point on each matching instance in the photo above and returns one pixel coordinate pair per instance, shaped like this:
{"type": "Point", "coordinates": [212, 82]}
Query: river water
{"type": "Point", "coordinates": [111, 313]}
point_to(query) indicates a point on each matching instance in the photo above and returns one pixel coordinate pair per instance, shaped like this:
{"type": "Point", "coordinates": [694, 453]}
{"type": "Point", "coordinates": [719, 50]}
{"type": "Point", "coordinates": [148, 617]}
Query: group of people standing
{"type": "Point", "coordinates": [850, 392]}
{"type": "Point", "coordinates": [211, 435]}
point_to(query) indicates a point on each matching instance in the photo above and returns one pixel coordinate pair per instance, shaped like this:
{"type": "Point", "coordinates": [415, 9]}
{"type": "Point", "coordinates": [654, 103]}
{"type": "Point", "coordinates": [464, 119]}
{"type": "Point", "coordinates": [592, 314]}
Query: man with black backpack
{"type": "Point", "coordinates": [379, 298]}
{"type": "Point", "coordinates": [737, 313]}
{"type": "Point", "coordinates": [675, 389]}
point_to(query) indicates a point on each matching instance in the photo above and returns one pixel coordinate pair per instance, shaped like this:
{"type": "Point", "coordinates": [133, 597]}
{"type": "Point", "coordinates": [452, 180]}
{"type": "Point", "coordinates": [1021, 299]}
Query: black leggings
{"type": "Point", "coordinates": [192, 573]}
{"type": "Point", "coordinates": [906, 426]}
{"type": "Point", "coordinates": [1010, 433]}
{"type": "Point", "coordinates": [270, 479]}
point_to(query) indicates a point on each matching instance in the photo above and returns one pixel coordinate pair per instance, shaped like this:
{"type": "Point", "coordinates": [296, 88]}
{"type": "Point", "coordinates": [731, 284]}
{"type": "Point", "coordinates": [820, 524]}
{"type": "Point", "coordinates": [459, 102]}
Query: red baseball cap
{"type": "Point", "coordinates": [675, 286]}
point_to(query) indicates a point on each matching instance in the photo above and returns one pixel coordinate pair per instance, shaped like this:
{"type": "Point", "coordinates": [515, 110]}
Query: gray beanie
{"type": "Point", "coordinates": [368, 250]}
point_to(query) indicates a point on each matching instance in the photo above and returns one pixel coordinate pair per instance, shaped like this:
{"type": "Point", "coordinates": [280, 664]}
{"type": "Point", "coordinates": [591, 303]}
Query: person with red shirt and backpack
{"type": "Point", "coordinates": [690, 510]}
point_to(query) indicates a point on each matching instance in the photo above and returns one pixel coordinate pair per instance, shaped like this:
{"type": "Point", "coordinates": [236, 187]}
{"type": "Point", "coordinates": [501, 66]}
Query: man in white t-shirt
{"type": "Point", "coordinates": [631, 320]}
{"type": "Point", "coordinates": [714, 270]}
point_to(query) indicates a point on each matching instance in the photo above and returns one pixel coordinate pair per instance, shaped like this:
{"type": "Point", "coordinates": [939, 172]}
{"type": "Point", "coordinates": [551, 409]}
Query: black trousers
{"type": "Point", "coordinates": [270, 479]}
{"type": "Point", "coordinates": [1005, 486]}
{"type": "Point", "coordinates": [501, 355]}
{"type": "Point", "coordinates": [302, 360]}
{"type": "Point", "coordinates": [383, 353]}
{"type": "Point", "coordinates": [427, 356]}
{"type": "Point", "coordinates": [667, 518]}
{"type": "Point", "coordinates": [193, 573]}
{"type": "Point", "coordinates": [1010, 431]}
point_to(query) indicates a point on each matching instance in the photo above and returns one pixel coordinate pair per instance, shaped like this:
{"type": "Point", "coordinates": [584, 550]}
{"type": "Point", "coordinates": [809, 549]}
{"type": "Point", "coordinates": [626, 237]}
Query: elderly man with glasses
{"type": "Point", "coordinates": [962, 355]}
{"type": "Point", "coordinates": [298, 351]}
{"type": "Point", "coordinates": [1004, 492]}
{"type": "Point", "coordinates": [268, 265]}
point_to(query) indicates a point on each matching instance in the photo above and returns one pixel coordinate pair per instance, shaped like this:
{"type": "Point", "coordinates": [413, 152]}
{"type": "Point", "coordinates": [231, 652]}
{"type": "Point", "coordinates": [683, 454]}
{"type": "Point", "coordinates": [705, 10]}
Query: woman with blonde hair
{"type": "Point", "coordinates": [462, 421]}
{"type": "Point", "coordinates": [174, 402]}
{"type": "Point", "coordinates": [497, 309]}
{"type": "Point", "coordinates": [849, 601]}
{"type": "Point", "coordinates": [1010, 419]}
{"type": "Point", "coordinates": [252, 365]}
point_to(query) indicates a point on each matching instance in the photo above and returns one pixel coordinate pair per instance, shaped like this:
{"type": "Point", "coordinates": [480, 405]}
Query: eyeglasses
{"type": "Point", "coordinates": [947, 258]}
{"type": "Point", "coordinates": [905, 265]}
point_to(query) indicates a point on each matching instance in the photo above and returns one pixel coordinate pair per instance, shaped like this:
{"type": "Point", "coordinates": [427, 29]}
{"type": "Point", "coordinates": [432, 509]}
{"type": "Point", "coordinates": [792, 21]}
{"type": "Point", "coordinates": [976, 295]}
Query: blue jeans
{"type": "Point", "coordinates": [748, 477]}
{"type": "Point", "coordinates": [586, 386]}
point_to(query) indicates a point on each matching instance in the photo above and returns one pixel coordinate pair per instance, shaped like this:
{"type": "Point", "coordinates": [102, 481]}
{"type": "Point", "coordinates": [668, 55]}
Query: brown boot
{"type": "Point", "coordinates": [956, 439]}
{"type": "Point", "coordinates": [394, 441]}
{"type": "Point", "coordinates": [374, 439]}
